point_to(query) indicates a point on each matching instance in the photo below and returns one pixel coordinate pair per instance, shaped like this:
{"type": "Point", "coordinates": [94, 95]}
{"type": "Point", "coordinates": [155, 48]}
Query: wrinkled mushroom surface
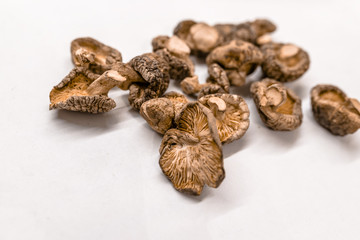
{"type": "Point", "coordinates": [334, 111]}
{"type": "Point", "coordinates": [96, 55]}
{"type": "Point", "coordinates": [284, 62]}
{"type": "Point", "coordinates": [278, 106]}
{"type": "Point", "coordinates": [210, 89]}
{"type": "Point", "coordinates": [83, 91]}
{"type": "Point", "coordinates": [178, 100]}
{"type": "Point", "coordinates": [238, 58]}
{"type": "Point", "coordinates": [191, 155]}
{"type": "Point", "coordinates": [218, 76]}
{"type": "Point", "coordinates": [231, 113]}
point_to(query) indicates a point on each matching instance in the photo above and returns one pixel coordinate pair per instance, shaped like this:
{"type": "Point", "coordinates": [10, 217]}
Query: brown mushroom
{"type": "Point", "coordinates": [161, 112]}
{"type": "Point", "coordinates": [334, 110]}
{"type": "Point", "coordinates": [191, 155]}
{"type": "Point", "coordinates": [95, 55]}
{"type": "Point", "coordinates": [210, 89]}
{"type": "Point", "coordinates": [284, 62]}
{"type": "Point", "coordinates": [278, 106]}
{"type": "Point", "coordinates": [155, 71]}
{"type": "Point", "coordinates": [238, 59]}
{"type": "Point", "coordinates": [182, 30]}
{"type": "Point", "coordinates": [231, 113]}
{"type": "Point", "coordinates": [83, 91]}
{"type": "Point", "coordinates": [127, 73]}
{"type": "Point", "coordinates": [218, 76]}
{"type": "Point", "coordinates": [191, 85]}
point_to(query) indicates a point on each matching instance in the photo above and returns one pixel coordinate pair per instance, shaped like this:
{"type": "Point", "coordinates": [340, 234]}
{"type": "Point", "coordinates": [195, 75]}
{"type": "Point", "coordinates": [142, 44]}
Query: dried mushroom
{"type": "Point", "coordinates": [238, 59]}
{"type": "Point", "coordinates": [231, 113]}
{"type": "Point", "coordinates": [278, 106]}
{"type": "Point", "coordinates": [218, 76]}
{"type": "Point", "coordinates": [161, 112]}
{"type": "Point", "coordinates": [210, 89]}
{"type": "Point", "coordinates": [83, 91]}
{"type": "Point", "coordinates": [182, 30]}
{"type": "Point", "coordinates": [127, 73]}
{"type": "Point", "coordinates": [95, 55]}
{"type": "Point", "coordinates": [191, 154]}
{"type": "Point", "coordinates": [284, 62]}
{"type": "Point", "coordinates": [334, 110]}
{"type": "Point", "coordinates": [155, 71]}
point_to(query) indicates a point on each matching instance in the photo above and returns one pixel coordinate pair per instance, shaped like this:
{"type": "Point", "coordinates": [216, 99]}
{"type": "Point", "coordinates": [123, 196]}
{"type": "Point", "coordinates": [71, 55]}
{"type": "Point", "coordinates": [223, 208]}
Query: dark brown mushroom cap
{"type": "Point", "coordinates": [159, 114]}
{"type": "Point", "coordinates": [191, 155]}
{"type": "Point", "coordinates": [284, 62]}
{"type": "Point", "coordinates": [231, 113]}
{"type": "Point", "coordinates": [278, 106]}
{"type": "Point", "coordinates": [102, 57]}
{"type": "Point", "coordinates": [210, 89]}
{"type": "Point", "coordinates": [73, 93]}
{"type": "Point", "coordinates": [334, 111]}
{"type": "Point", "coordinates": [218, 76]}
{"type": "Point", "coordinates": [183, 28]}
{"type": "Point", "coordinates": [237, 56]}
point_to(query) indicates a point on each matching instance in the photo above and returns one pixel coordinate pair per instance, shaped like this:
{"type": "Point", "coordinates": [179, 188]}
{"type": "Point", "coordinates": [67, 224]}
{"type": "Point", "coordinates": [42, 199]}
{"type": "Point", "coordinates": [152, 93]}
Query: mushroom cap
{"type": "Point", "coordinates": [72, 94]}
{"type": "Point", "coordinates": [263, 26]}
{"type": "Point", "coordinates": [218, 76]}
{"type": "Point", "coordinates": [232, 121]}
{"type": "Point", "coordinates": [202, 38]}
{"type": "Point", "coordinates": [159, 114]}
{"type": "Point", "coordinates": [191, 155]}
{"type": "Point", "coordinates": [279, 107]}
{"type": "Point", "coordinates": [210, 89]}
{"type": "Point", "coordinates": [284, 62]}
{"type": "Point", "coordinates": [182, 30]}
{"type": "Point", "coordinates": [190, 85]}
{"type": "Point", "coordinates": [334, 111]}
{"type": "Point", "coordinates": [140, 93]}
{"type": "Point", "coordinates": [159, 42]}
{"type": "Point", "coordinates": [239, 56]}
{"type": "Point", "coordinates": [103, 56]}
{"type": "Point", "coordinates": [178, 100]}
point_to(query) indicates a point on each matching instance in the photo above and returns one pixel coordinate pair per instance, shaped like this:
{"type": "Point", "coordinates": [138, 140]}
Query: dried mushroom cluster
{"type": "Point", "coordinates": [194, 131]}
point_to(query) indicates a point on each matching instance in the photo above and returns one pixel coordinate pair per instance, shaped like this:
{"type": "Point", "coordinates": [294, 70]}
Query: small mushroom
{"type": "Point", "coordinates": [191, 154]}
{"type": "Point", "coordinates": [210, 89]}
{"type": "Point", "coordinates": [231, 113]}
{"type": "Point", "coordinates": [93, 54]}
{"type": "Point", "coordinates": [238, 58]}
{"type": "Point", "coordinates": [182, 30]}
{"type": "Point", "coordinates": [334, 111]}
{"type": "Point", "coordinates": [178, 100]}
{"type": "Point", "coordinates": [191, 85]}
{"type": "Point", "coordinates": [284, 62]}
{"type": "Point", "coordinates": [83, 91]}
{"type": "Point", "coordinates": [218, 76]}
{"type": "Point", "coordinates": [278, 106]}
{"type": "Point", "coordinates": [155, 71]}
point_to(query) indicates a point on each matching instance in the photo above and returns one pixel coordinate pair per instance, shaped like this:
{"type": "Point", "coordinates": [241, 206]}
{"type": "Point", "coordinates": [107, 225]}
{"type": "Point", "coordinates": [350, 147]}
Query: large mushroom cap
{"type": "Point", "coordinates": [231, 113]}
{"type": "Point", "coordinates": [284, 62]}
{"type": "Point", "coordinates": [83, 91]}
{"type": "Point", "coordinates": [278, 106]}
{"type": "Point", "coordinates": [237, 56]}
{"type": "Point", "coordinates": [100, 56]}
{"type": "Point", "coordinates": [334, 110]}
{"type": "Point", "coordinates": [191, 155]}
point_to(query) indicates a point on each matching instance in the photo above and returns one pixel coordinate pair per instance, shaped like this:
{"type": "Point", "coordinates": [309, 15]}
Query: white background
{"type": "Point", "coordinates": [66, 175]}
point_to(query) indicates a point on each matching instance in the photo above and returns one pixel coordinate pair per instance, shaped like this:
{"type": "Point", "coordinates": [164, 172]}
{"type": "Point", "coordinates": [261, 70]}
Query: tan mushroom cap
{"type": "Point", "coordinates": [284, 62]}
{"type": "Point", "coordinates": [90, 51]}
{"type": "Point", "coordinates": [191, 155]}
{"type": "Point", "coordinates": [159, 114]}
{"type": "Point", "coordinates": [178, 100]}
{"type": "Point", "coordinates": [238, 58]}
{"type": "Point", "coordinates": [231, 113]}
{"type": "Point", "coordinates": [278, 106]}
{"type": "Point", "coordinates": [182, 30]}
{"type": "Point", "coordinates": [334, 111]}
{"type": "Point", "coordinates": [83, 91]}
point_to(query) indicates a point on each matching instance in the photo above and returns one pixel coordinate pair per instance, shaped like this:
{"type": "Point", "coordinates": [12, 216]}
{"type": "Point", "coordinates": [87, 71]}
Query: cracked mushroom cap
{"type": "Point", "coordinates": [231, 113]}
{"type": "Point", "coordinates": [161, 112]}
{"type": "Point", "coordinates": [238, 58]}
{"type": "Point", "coordinates": [284, 62]}
{"type": "Point", "coordinates": [99, 56]}
{"type": "Point", "coordinates": [83, 91]}
{"type": "Point", "coordinates": [155, 71]}
{"type": "Point", "coordinates": [191, 154]}
{"type": "Point", "coordinates": [334, 111]}
{"type": "Point", "coordinates": [278, 106]}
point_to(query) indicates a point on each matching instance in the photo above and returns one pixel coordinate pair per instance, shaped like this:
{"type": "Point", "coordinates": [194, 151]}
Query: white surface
{"type": "Point", "coordinates": [66, 175]}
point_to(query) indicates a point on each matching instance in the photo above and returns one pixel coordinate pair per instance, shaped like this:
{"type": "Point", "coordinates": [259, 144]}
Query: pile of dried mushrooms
{"type": "Point", "coordinates": [194, 131]}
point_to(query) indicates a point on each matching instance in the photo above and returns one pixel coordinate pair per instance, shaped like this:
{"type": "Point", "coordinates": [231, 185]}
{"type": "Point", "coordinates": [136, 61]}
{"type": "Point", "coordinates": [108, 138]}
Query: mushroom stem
{"type": "Point", "coordinates": [288, 51]}
{"type": "Point", "coordinates": [103, 84]}
{"type": "Point", "coordinates": [217, 106]}
{"type": "Point", "coordinates": [84, 57]}
{"type": "Point", "coordinates": [276, 95]}
{"type": "Point", "coordinates": [131, 76]}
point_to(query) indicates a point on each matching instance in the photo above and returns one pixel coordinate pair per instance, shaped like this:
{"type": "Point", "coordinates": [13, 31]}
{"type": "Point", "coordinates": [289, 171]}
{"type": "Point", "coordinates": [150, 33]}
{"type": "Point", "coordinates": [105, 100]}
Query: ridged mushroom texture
{"type": "Point", "coordinates": [278, 106]}
{"type": "Point", "coordinates": [191, 154]}
{"type": "Point", "coordinates": [284, 62]}
{"type": "Point", "coordinates": [238, 59]}
{"type": "Point", "coordinates": [231, 113]}
{"type": "Point", "coordinates": [335, 111]}
{"type": "Point", "coordinates": [93, 54]}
